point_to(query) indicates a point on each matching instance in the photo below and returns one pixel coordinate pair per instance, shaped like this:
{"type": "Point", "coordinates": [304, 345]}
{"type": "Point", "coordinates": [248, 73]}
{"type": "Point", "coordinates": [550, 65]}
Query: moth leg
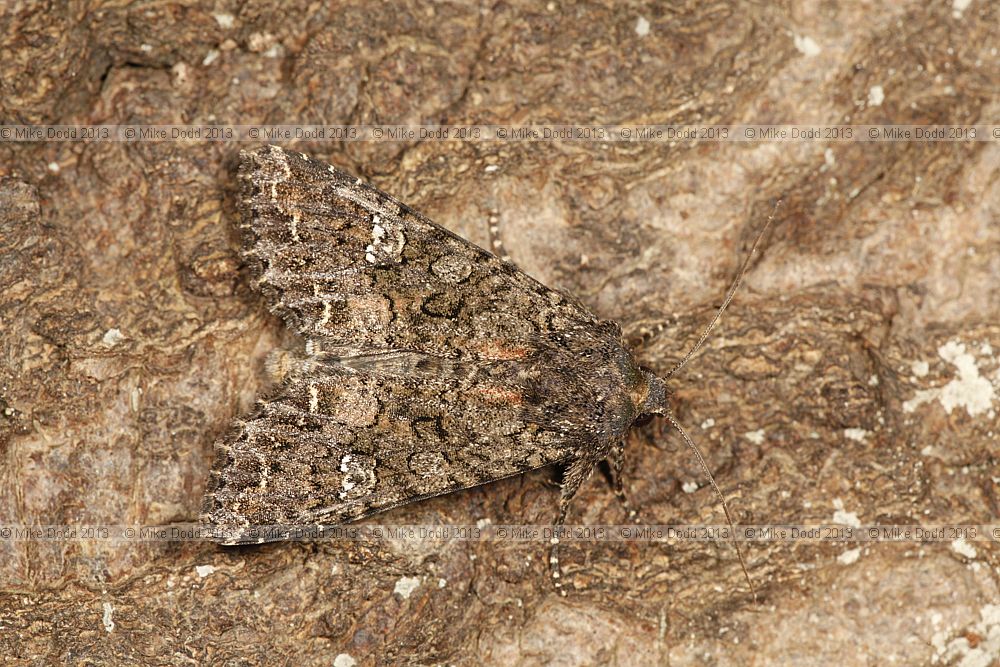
{"type": "Point", "coordinates": [575, 475]}
{"type": "Point", "coordinates": [617, 464]}
{"type": "Point", "coordinates": [496, 243]}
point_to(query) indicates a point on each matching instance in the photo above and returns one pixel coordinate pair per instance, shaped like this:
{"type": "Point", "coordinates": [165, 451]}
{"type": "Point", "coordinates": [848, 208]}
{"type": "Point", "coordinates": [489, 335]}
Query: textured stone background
{"type": "Point", "coordinates": [833, 388]}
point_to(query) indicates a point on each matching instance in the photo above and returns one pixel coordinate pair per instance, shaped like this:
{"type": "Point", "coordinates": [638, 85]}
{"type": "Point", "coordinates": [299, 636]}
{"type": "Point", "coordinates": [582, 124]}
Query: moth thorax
{"type": "Point", "coordinates": [655, 402]}
{"type": "Point", "coordinates": [280, 363]}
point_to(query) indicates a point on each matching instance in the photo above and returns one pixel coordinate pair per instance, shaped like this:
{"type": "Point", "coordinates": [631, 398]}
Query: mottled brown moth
{"type": "Point", "coordinates": [430, 365]}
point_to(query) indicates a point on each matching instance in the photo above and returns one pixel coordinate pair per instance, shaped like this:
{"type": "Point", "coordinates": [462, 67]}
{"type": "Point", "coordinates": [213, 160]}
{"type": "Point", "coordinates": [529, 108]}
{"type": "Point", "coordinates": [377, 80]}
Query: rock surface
{"type": "Point", "coordinates": [856, 379]}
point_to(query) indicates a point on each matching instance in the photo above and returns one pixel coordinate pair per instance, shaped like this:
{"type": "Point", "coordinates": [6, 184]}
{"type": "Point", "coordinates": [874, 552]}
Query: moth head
{"type": "Point", "coordinates": [655, 402]}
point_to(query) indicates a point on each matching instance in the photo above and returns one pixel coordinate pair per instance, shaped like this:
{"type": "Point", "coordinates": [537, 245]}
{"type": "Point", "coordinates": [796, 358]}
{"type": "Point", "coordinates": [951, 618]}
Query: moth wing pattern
{"type": "Point", "coordinates": [340, 260]}
{"type": "Point", "coordinates": [342, 445]}
{"type": "Point", "coordinates": [430, 365]}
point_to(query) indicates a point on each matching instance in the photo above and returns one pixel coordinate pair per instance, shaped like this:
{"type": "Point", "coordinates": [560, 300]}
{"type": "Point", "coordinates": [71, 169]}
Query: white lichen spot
{"type": "Point", "coordinates": [260, 41]}
{"type": "Point", "coordinates": [642, 27]}
{"type": "Point", "coordinates": [960, 651]}
{"type": "Point", "coordinates": [849, 557]}
{"type": "Point", "coordinates": [843, 517]}
{"type": "Point", "coordinates": [490, 168]}
{"type": "Point", "coordinates": [180, 74]}
{"type": "Point", "coordinates": [106, 620]}
{"type": "Point", "coordinates": [920, 368]}
{"type": "Point", "coordinates": [807, 46]}
{"type": "Point", "coordinates": [876, 95]}
{"type": "Point", "coordinates": [689, 487]}
{"type": "Point", "coordinates": [442, 582]}
{"type": "Point", "coordinates": [112, 337]}
{"type": "Point", "coordinates": [922, 396]}
{"type": "Point", "coordinates": [756, 437]}
{"type": "Point", "coordinates": [146, 48]}
{"type": "Point", "coordinates": [969, 390]}
{"type": "Point", "coordinates": [707, 424]}
{"type": "Point", "coordinates": [482, 523]}
{"type": "Point", "coordinates": [344, 660]}
{"type": "Point", "coordinates": [856, 434]}
{"type": "Point", "coordinates": [963, 548]}
{"type": "Point", "coordinates": [210, 57]}
{"type": "Point", "coordinates": [293, 226]}
{"type": "Point", "coordinates": [829, 158]}
{"type": "Point", "coordinates": [225, 21]}
{"type": "Point", "coordinates": [53, 167]}
{"type": "Point", "coordinates": [204, 570]}
{"type": "Point", "coordinates": [939, 642]}
{"type": "Point", "coordinates": [405, 586]}
{"type": "Point", "coordinates": [958, 7]}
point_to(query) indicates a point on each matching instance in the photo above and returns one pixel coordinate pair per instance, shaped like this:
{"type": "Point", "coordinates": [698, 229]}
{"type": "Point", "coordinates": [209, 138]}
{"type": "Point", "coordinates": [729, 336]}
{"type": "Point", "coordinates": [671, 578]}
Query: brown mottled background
{"type": "Point", "coordinates": [856, 378]}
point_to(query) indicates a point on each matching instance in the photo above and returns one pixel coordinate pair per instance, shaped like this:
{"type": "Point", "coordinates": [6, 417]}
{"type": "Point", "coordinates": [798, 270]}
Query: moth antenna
{"type": "Point", "coordinates": [718, 491]}
{"type": "Point", "coordinates": [729, 296]}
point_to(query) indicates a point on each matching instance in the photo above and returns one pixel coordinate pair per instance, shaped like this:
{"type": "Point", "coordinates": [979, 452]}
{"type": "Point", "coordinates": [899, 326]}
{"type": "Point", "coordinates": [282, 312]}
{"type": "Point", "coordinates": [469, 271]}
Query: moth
{"type": "Point", "coordinates": [429, 366]}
